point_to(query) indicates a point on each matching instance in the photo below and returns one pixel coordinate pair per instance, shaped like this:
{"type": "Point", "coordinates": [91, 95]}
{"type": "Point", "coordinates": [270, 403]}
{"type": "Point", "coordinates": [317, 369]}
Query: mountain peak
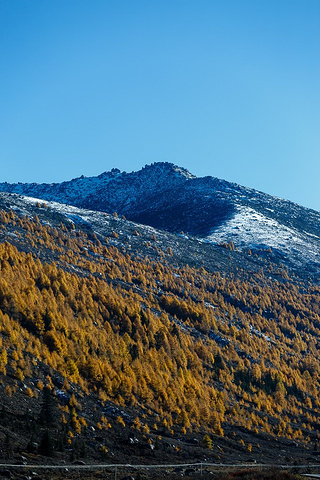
{"type": "Point", "coordinates": [167, 168]}
{"type": "Point", "coordinates": [154, 170]}
{"type": "Point", "coordinates": [115, 172]}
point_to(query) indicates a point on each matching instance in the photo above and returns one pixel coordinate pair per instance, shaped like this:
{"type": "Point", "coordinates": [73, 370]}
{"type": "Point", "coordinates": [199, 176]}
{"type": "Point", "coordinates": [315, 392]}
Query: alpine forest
{"type": "Point", "coordinates": [104, 342]}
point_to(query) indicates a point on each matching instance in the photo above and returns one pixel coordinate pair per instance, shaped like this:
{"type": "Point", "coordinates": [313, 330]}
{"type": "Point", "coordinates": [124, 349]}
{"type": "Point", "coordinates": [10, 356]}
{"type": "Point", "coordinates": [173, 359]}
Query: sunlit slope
{"type": "Point", "coordinates": [213, 350]}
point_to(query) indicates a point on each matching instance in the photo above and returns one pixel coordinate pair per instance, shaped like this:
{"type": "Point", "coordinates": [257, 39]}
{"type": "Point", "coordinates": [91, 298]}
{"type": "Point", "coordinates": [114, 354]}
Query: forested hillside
{"type": "Point", "coordinates": [121, 342]}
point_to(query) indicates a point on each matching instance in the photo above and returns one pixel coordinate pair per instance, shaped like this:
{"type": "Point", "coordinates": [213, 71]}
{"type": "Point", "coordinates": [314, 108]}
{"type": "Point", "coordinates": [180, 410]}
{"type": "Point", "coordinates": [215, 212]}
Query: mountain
{"type": "Point", "coordinates": [121, 342]}
{"type": "Point", "coordinates": [170, 198]}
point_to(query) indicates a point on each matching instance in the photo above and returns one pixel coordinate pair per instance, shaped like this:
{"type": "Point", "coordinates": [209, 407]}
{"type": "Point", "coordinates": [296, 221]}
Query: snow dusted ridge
{"type": "Point", "coordinates": [170, 198]}
{"type": "Point", "coordinates": [251, 229]}
{"type": "Point", "coordinates": [247, 229]}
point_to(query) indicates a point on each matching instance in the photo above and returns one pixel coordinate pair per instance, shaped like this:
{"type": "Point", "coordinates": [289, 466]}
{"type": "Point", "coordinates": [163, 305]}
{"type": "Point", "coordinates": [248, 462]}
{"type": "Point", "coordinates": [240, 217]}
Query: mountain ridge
{"type": "Point", "coordinates": [168, 197]}
{"type": "Point", "coordinates": [153, 168]}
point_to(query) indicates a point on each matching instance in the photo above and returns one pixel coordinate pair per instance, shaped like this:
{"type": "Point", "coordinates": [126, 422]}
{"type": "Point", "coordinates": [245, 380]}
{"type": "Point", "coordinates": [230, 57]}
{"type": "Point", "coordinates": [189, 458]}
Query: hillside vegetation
{"type": "Point", "coordinates": [185, 351]}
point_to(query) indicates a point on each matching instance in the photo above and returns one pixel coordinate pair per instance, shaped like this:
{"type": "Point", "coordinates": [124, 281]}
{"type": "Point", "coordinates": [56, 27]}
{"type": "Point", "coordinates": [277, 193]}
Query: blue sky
{"type": "Point", "coordinates": [229, 88]}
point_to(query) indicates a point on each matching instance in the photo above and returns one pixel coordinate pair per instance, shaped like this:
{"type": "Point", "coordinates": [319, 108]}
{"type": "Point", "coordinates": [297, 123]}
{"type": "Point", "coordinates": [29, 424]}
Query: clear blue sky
{"type": "Point", "coordinates": [229, 88]}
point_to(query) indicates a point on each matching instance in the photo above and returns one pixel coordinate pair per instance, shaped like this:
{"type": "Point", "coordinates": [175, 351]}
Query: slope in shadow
{"type": "Point", "coordinates": [199, 216]}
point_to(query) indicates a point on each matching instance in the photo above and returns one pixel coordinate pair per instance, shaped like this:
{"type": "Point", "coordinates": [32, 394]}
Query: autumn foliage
{"type": "Point", "coordinates": [200, 349]}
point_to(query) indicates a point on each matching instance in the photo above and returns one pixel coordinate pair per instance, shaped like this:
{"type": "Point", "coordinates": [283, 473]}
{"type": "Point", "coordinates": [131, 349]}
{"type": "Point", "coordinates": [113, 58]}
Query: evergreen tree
{"type": "Point", "coordinates": [46, 445]}
{"type": "Point", "coordinates": [47, 408]}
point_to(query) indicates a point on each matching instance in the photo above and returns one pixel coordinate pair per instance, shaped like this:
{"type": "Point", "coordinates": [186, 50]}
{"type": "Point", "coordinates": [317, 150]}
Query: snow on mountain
{"type": "Point", "coordinates": [65, 192]}
{"type": "Point", "coordinates": [249, 228]}
{"type": "Point", "coordinates": [123, 187]}
{"type": "Point", "coordinates": [168, 197]}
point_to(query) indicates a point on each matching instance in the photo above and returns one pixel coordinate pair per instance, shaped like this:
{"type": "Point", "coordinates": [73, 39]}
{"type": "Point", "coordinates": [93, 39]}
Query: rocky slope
{"type": "Point", "coordinates": [170, 198]}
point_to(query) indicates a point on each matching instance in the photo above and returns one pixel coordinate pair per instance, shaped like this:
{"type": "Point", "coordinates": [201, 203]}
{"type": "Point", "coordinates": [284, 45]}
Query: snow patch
{"type": "Point", "coordinates": [251, 229]}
